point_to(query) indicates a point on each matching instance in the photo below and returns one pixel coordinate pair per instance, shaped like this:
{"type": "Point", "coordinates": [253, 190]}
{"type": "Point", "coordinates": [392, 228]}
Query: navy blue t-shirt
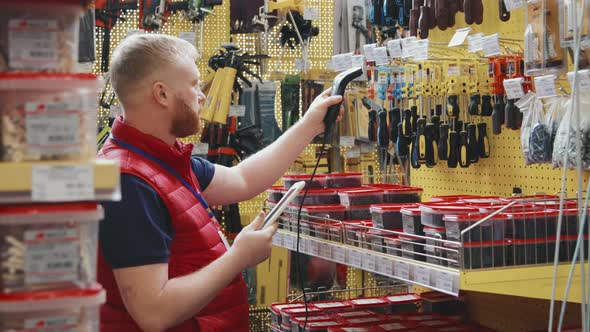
{"type": "Point", "coordinates": [138, 230]}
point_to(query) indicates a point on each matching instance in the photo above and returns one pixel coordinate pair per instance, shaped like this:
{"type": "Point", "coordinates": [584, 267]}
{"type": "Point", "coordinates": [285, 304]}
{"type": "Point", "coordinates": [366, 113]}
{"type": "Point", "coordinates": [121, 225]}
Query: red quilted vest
{"type": "Point", "coordinates": [196, 242]}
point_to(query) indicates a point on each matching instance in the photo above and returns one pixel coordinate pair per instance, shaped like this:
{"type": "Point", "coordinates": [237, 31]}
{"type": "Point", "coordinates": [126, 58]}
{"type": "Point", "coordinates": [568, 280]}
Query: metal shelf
{"type": "Point", "coordinates": [17, 183]}
{"type": "Point", "coordinates": [436, 277]}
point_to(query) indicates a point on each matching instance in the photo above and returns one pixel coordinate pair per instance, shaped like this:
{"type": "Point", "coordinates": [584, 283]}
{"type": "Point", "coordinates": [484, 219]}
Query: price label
{"type": "Point", "coordinates": [367, 148]}
{"type": "Point", "coordinates": [355, 258]}
{"type": "Point", "coordinates": [237, 110]}
{"type": "Point", "coordinates": [33, 43]}
{"type": "Point", "coordinates": [490, 45]}
{"type": "Point", "coordinates": [200, 149]}
{"type": "Point", "coordinates": [289, 242]}
{"type": "Point", "coordinates": [311, 13]}
{"type": "Point", "coordinates": [339, 254]}
{"type": "Point", "coordinates": [514, 4]}
{"type": "Point", "coordinates": [422, 275]}
{"type": "Point", "coordinates": [325, 251]}
{"type": "Point", "coordinates": [52, 323]}
{"type": "Point", "coordinates": [347, 140]}
{"type": "Point", "coordinates": [384, 266]}
{"type": "Point", "coordinates": [342, 62]}
{"type": "Point", "coordinates": [459, 37]}
{"type": "Point", "coordinates": [353, 153]}
{"type": "Point", "coordinates": [402, 270]}
{"type": "Point", "coordinates": [277, 239]}
{"type": "Point", "coordinates": [380, 56]}
{"type": "Point", "coordinates": [444, 281]}
{"type": "Point", "coordinates": [303, 245]}
{"type": "Point", "coordinates": [408, 47]}
{"type": "Point", "coordinates": [474, 43]}
{"type": "Point", "coordinates": [61, 183]}
{"type": "Point", "coordinates": [189, 36]}
{"type": "Point", "coordinates": [369, 262]}
{"type": "Point", "coordinates": [545, 86]}
{"type": "Point", "coordinates": [313, 247]}
{"type": "Point", "coordinates": [514, 88]}
{"type": "Point", "coordinates": [368, 50]}
{"type": "Point", "coordinates": [358, 60]}
{"type": "Point", "coordinates": [421, 50]}
{"type": "Point", "coordinates": [583, 80]}
{"type": "Point", "coordinates": [395, 48]}
{"type": "Point", "coordinates": [51, 255]}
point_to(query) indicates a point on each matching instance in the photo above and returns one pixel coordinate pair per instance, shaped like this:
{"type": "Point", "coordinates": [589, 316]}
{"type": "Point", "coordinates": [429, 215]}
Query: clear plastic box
{"type": "Point", "coordinates": [68, 310]}
{"type": "Point", "coordinates": [378, 239]}
{"type": "Point", "coordinates": [452, 198]}
{"type": "Point", "coordinates": [412, 248]}
{"type": "Point", "coordinates": [354, 227]}
{"type": "Point", "coordinates": [298, 322]}
{"type": "Point", "coordinates": [395, 193]}
{"type": "Point", "coordinates": [318, 182]}
{"type": "Point", "coordinates": [487, 254]}
{"type": "Point", "coordinates": [344, 180]}
{"type": "Point", "coordinates": [411, 220]}
{"type": "Point", "coordinates": [433, 247]}
{"type": "Point", "coordinates": [362, 196]}
{"type": "Point", "coordinates": [48, 247]}
{"type": "Point", "coordinates": [530, 251]}
{"type": "Point", "coordinates": [275, 193]}
{"type": "Point", "coordinates": [361, 212]}
{"type": "Point", "coordinates": [330, 307]}
{"type": "Point", "coordinates": [321, 326]}
{"type": "Point", "coordinates": [39, 36]}
{"type": "Point", "coordinates": [491, 230]}
{"type": "Point", "coordinates": [277, 308]}
{"type": "Point", "coordinates": [531, 225]}
{"type": "Point", "coordinates": [353, 314]}
{"type": "Point", "coordinates": [323, 230]}
{"type": "Point", "coordinates": [440, 303]}
{"type": "Point", "coordinates": [404, 302]}
{"type": "Point", "coordinates": [388, 216]}
{"type": "Point", "coordinates": [366, 321]}
{"type": "Point", "coordinates": [393, 246]}
{"type": "Point", "coordinates": [567, 21]}
{"type": "Point", "coordinates": [331, 211]}
{"type": "Point", "coordinates": [377, 304]}
{"type": "Point", "coordinates": [570, 223]}
{"type": "Point", "coordinates": [395, 326]}
{"type": "Point", "coordinates": [48, 117]}
{"type": "Point", "coordinates": [432, 213]}
{"type": "Point", "coordinates": [317, 197]}
{"type": "Point", "coordinates": [543, 52]}
{"type": "Point", "coordinates": [287, 314]}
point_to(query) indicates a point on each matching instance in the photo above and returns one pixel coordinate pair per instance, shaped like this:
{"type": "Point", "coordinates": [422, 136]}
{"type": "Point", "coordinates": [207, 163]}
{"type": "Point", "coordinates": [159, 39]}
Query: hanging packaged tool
{"type": "Point", "coordinates": [107, 13]}
{"type": "Point", "coordinates": [290, 88]}
{"type": "Point", "coordinates": [299, 27]}
{"type": "Point", "coordinates": [543, 52]}
{"type": "Point", "coordinates": [574, 129]}
{"type": "Point", "coordinates": [567, 10]}
{"type": "Point", "coordinates": [153, 14]}
{"type": "Point", "coordinates": [533, 147]}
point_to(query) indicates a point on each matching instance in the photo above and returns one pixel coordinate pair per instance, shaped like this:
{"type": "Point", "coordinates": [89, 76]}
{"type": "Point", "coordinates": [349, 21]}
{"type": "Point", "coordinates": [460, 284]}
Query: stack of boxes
{"type": "Point", "coordinates": [48, 122]}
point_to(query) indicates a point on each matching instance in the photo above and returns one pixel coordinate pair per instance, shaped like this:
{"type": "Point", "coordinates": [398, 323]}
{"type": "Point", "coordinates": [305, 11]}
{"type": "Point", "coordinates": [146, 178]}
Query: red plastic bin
{"type": "Point", "coordinates": [432, 213]}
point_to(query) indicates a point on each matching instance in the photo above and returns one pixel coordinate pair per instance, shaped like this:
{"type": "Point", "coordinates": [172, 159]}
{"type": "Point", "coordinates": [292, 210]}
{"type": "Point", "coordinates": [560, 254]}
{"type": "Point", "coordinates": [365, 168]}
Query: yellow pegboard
{"type": "Point", "coordinates": [505, 168]}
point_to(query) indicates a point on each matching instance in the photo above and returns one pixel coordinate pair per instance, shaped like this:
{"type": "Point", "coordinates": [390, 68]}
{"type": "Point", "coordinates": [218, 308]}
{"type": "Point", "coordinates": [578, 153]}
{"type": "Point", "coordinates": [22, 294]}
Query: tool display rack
{"type": "Point", "coordinates": [446, 270]}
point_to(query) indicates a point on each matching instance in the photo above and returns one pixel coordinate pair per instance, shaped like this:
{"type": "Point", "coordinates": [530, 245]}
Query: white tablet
{"type": "Point", "coordinates": [276, 212]}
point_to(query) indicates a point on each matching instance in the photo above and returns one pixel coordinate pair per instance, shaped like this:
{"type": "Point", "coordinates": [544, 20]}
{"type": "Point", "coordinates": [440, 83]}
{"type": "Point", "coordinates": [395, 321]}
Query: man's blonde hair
{"type": "Point", "coordinates": [138, 56]}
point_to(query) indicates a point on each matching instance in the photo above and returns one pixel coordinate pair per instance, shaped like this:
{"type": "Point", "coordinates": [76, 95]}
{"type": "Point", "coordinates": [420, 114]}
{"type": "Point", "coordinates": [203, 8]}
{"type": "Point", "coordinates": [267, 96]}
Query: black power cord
{"type": "Point", "coordinates": [297, 262]}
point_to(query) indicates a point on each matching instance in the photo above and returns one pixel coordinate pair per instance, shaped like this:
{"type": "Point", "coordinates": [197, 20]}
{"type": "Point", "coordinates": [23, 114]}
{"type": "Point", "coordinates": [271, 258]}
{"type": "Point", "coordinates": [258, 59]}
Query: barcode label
{"type": "Point", "coordinates": [53, 127]}
{"type": "Point", "coordinates": [52, 255]}
{"type": "Point", "coordinates": [53, 324]}
{"type": "Point", "coordinates": [32, 44]}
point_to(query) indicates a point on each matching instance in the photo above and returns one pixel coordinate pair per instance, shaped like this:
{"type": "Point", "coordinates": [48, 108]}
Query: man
{"type": "Point", "coordinates": [162, 260]}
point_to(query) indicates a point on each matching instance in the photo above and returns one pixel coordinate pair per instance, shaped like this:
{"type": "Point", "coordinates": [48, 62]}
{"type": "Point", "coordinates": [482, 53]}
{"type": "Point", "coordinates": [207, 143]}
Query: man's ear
{"type": "Point", "coordinates": [161, 94]}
